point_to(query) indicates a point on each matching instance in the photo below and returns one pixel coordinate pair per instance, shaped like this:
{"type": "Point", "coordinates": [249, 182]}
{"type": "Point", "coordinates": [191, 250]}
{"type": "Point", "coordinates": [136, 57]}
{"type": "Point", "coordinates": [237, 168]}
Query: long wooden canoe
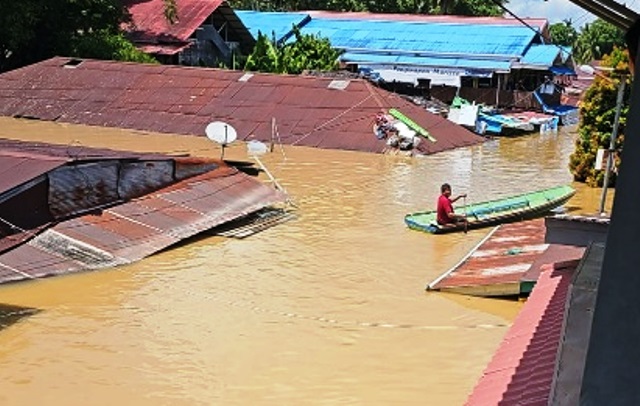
{"type": "Point", "coordinates": [485, 214]}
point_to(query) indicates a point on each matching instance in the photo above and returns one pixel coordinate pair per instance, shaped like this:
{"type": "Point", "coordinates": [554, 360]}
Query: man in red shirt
{"type": "Point", "coordinates": [445, 212]}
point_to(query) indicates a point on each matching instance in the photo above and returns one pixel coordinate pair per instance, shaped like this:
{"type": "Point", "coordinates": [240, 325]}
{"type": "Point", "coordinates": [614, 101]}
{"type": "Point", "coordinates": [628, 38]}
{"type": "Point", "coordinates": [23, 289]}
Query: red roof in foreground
{"type": "Point", "coordinates": [149, 21]}
{"type": "Point", "coordinates": [309, 111]}
{"type": "Point", "coordinates": [521, 371]}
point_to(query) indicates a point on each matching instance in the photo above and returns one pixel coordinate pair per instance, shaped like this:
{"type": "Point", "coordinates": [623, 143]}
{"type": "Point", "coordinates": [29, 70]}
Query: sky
{"type": "Point", "coordinates": [558, 10]}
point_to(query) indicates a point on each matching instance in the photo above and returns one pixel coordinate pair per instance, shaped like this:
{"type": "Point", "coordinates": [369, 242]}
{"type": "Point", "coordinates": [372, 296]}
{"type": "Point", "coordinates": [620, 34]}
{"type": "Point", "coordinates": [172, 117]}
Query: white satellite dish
{"type": "Point", "coordinates": [221, 132]}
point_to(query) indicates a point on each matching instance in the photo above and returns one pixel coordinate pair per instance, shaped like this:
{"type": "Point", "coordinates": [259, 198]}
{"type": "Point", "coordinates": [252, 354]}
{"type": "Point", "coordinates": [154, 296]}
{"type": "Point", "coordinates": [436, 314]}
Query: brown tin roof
{"type": "Point", "coordinates": [21, 162]}
{"type": "Point", "coordinates": [308, 110]}
{"type": "Point", "coordinates": [131, 231]}
{"type": "Point", "coordinates": [110, 208]}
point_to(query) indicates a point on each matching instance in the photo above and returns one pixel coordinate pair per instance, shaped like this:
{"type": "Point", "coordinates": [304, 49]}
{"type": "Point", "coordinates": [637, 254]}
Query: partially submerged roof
{"type": "Point", "coordinates": [102, 208]}
{"type": "Point", "coordinates": [308, 111]}
{"type": "Point", "coordinates": [21, 162]}
{"type": "Point", "coordinates": [496, 265]}
{"type": "Point", "coordinates": [129, 232]}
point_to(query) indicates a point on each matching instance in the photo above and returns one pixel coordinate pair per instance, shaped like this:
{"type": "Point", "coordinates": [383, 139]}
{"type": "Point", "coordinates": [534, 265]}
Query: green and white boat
{"type": "Point", "coordinates": [515, 208]}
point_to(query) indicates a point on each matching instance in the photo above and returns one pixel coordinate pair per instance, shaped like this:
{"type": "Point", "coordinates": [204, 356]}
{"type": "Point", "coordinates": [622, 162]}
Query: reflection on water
{"type": "Point", "coordinates": [9, 314]}
{"type": "Point", "coordinates": [329, 308]}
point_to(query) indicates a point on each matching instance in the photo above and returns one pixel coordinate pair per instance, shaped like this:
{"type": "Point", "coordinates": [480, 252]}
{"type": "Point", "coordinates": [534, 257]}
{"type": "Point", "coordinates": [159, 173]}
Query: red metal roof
{"type": "Point", "coordinates": [150, 24]}
{"type": "Point", "coordinates": [497, 264]}
{"type": "Point", "coordinates": [136, 229]}
{"type": "Point", "coordinates": [521, 371]}
{"type": "Point", "coordinates": [309, 110]}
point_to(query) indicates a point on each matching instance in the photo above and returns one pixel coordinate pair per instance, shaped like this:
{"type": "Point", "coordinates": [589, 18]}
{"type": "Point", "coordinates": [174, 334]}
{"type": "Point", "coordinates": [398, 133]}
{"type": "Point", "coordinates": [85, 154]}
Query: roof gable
{"type": "Point", "coordinates": [148, 21]}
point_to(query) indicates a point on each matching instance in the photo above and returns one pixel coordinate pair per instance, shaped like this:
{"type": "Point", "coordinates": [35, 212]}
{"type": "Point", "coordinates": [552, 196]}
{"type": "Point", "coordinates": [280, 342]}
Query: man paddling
{"type": "Point", "coordinates": [446, 215]}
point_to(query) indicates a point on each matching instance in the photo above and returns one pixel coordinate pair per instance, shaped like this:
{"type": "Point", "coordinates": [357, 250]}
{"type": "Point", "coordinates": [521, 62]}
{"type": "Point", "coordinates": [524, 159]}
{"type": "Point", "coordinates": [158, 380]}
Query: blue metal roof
{"type": "Point", "coordinates": [279, 24]}
{"type": "Point", "coordinates": [424, 38]}
{"type": "Point", "coordinates": [386, 59]}
{"type": "Point", "coordinates": [542, 55]}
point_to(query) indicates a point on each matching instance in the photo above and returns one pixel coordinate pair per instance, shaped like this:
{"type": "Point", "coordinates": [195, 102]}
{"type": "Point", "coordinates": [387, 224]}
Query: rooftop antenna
{"type": "Point", "coordinates": [221, 133]}
{"type": "Point", "coordinates": [257, 148]}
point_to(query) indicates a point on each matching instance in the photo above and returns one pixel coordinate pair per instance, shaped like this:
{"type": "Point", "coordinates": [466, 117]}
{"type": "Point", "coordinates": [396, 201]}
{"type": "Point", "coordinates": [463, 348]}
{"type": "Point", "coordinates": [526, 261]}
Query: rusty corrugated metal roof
{"type": "Point", "coordinates": [137, 205]}
{"type": "Point", "coordinates": [128, 232]}
{"type": "Point", "coordinates": [309, 111]}
{"type": "Point", "coordinates": [21, 162]}
{"type": "Point", "coordinates": [496, 266]}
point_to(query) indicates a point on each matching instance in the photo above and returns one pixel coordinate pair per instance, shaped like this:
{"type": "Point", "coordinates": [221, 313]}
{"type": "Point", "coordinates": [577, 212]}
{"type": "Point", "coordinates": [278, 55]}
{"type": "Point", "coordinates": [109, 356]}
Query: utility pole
{"type": "Point", "coordinates": [612, 143]}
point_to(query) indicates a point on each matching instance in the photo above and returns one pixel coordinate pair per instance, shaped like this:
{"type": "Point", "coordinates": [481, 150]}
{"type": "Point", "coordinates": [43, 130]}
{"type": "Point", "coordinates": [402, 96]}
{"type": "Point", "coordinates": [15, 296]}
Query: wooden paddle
{"type": "Point", "coordinates": [466, 222]}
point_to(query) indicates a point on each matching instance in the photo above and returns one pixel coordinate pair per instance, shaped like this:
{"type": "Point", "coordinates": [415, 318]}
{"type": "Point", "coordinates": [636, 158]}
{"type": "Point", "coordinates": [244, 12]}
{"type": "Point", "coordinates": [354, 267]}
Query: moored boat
{"type": "Point", "coordinates": [509, 209]}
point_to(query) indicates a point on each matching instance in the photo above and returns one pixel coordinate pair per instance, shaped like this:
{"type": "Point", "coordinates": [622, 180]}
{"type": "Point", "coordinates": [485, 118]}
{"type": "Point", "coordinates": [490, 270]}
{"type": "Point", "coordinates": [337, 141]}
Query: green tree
{"type": "Point", "coordinates": [563, 33]}
{"type": "Point", "coordinates": [597, 113]}
{"type": "Point", "coordinates": [33, 30]}
{"type": "Point", "coordinates": [307, 52]}
{"type": "Point", "coordinates": [596, 40]}
{"type": "Point", "coordinates": [264, 57]}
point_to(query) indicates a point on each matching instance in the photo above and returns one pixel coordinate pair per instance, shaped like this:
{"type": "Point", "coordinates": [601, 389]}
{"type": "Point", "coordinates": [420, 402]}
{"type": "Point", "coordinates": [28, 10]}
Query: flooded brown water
{"type": "Point", "coordinates": [327, 309]}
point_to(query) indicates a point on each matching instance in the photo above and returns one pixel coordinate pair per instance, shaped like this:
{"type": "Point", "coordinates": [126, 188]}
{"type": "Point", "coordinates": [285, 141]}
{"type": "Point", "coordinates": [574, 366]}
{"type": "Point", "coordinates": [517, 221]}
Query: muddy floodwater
{"type": "Point", "coordinates": [326, 309]}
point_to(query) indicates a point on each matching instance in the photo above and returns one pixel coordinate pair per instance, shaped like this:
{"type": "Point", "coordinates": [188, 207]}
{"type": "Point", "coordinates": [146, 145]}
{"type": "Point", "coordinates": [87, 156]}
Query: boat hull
{"type": "Point", "coordinates": [518, 208]}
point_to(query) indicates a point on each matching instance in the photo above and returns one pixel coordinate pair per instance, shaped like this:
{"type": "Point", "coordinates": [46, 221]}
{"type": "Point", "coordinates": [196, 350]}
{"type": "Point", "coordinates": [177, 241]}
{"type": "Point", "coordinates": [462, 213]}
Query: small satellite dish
{"type": "Point", "coordinates": [221, 132]}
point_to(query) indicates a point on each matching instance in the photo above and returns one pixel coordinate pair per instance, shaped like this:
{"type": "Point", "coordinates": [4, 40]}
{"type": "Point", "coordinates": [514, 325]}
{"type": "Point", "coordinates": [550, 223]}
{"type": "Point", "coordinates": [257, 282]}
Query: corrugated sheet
{"type": "Point", "coordinates": [413, 37]}
{"type": "Point", "coordinates": [276, 24]}
{"type": "Point", "coordinates": [363, 58]}
{"type": "Point", "coordinates": [541, 55]}
{"type": "Point", "coordinates": [16, 170]}
{"type": "Point", "coordinates": [496, 266]}
{"type": "Point", "coordinates": [521, 371]}
{"type": "Point", "coordinates": [136, 229]}
{"type": "Point", "coordinates": [183, 100]}
{"type": "Point", "coordinates": [77, 188]}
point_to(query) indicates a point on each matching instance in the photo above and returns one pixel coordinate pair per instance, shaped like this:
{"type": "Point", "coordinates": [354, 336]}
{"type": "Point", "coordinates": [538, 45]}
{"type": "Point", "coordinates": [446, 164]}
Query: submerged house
{"type": "Point", "coordinates": [68, 209]}
{"type": "Point", "coordinates": [438, 56]}
{"type": "Point", "coordinates": [206, 33]}
{"type": "Point", "coordinates": [287, 109]}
